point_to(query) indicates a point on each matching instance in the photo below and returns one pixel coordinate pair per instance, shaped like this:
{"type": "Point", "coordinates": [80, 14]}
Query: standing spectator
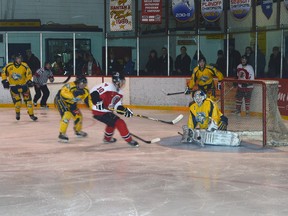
{"type": "Point", "coordinates": [91, 67]}
{"type": "Point", "coordinates": [274, 63]}
{"type": "Point", "coordinates": [17, 76]}
{"type": "Point", "coordinates": [58, 66]}
{"type": "Point", "coordinates": [66, 101]}
{"type": "Point", "coordinates": [163, 62]}
{"type": "Point", "coordinates": [40, 79]}
{"type": "Point", "coordinates": [107, 97]}
{"type": "Point", "coordinates": [261, 63]}
{"type": "Point", "coordinates": [203, 77]}
{"type": "Point", "coordinates": [244, 90]}
{"type": "Point", "coordinates": [221, 62]}
{"type": "Point", "coordinates": [182, 63]}
{"type": "Point", "coordinates": [250, 55]}
{"type": "Point", "coordinates": [113, 65]}
{"type": "Point", "coordinates": [32, 61]}
{"type": "Point", "coordinates": [129, 67]}
{"type": "Point", "coordinates": [79, 64]}
{"type": "Point", "coordinates": [234, 61]}
{"type": "Point", "coordinates": [152, 65]}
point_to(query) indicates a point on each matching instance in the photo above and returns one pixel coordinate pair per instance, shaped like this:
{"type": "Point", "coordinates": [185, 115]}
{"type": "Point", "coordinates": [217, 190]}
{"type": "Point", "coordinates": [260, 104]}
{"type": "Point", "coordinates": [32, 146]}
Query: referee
{"type": "Point", "coordinates": [40, 79]}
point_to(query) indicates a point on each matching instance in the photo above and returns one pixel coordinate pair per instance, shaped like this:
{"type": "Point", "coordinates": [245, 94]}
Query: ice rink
{"type": "Point", "coordinates": [40, 176]}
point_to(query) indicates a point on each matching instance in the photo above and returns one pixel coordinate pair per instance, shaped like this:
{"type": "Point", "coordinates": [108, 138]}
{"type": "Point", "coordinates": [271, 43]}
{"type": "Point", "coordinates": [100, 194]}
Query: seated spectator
{"type": "Point", "coordinates": [152, 65]}
{"type": "Point", "coordinates": [91, 67]}
{"type": "Point", "coordinates": [58, 66]}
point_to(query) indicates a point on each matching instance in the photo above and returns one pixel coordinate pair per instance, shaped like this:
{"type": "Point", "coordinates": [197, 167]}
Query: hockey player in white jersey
{"type": "Point", "coordinates": [206, 124]}
{"type": "Point", "coordinates": [107, 97]}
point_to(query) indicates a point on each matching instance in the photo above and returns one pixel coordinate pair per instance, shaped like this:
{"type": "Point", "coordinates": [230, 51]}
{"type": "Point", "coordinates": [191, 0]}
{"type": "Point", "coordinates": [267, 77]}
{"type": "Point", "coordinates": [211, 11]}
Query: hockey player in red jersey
{"type": "Point", "coordinates": [107, 97]}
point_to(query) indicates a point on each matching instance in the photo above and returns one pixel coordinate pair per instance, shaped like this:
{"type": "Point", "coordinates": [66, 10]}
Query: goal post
{"type": "Point", "coordinates": [263, 121]}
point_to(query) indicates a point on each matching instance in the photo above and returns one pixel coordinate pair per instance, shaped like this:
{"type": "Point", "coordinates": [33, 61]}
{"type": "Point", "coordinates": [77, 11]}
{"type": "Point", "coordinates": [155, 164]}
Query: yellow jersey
{"type": "Point", "coordinates": [16, 74]}
{"type": "Point", "coordinates": [200, 115]}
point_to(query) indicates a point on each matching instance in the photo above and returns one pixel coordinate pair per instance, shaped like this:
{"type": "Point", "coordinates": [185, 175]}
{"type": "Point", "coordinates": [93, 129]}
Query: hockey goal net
{"type": "Point", "coordinates": [263, 122]}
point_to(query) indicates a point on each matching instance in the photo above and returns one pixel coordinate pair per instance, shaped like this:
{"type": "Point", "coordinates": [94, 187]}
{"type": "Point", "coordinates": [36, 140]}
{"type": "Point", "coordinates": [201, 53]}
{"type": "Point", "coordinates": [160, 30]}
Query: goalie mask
{"type": "Point", "coordinates": [118, 80]}
{"type": "Point", "coordinates": [199, 97]}
{"type": "Point", "coordinates": [81, 82]}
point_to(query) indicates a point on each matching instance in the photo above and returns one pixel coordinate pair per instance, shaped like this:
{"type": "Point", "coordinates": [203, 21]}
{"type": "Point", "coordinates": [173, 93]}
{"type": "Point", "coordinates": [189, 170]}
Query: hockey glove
{"type": "Point", "coordinates": [219, 85]}
{"type": "Point", "coordinates": [212, 126]}
{"type": "Point", "coordinates": [187, 91]}
{"type": "Point", "coordinates": [29, 83]}
{"type": "Point", "coordinates": [128, 112]}
{"type": "Point", "coordinates": [5, 84]}
{"type": "Point", "coordinates": [51, 79]}
{"type": "Point", "coordinates": [99, 105]}
{"type": "Point", "coordinates": [223, 123]}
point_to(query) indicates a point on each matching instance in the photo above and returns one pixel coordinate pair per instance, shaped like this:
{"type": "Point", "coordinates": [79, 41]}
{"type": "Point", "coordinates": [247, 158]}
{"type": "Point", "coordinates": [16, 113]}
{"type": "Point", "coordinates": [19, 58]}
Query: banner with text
{"type": "Point", "coordinates": [151, 11]}
{"type": "Point", "coordinates": [120, 15]}
{"type": "Point", "coordinates": [183, 11]}
{"type": "Point", "coordinates": [211, 10]}
{"type": "Point", "coordinates": [240, 9]}
{"type": "Point", "coordinates": [267, 8]}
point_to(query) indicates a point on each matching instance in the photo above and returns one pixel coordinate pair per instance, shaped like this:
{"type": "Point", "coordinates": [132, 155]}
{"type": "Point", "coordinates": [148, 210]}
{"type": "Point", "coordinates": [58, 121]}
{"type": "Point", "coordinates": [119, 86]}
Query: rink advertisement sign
{"type": "Point", "coordinates": [120, 15]}
{"type": "Point", "coordinates": [283, 97]}
{"type": "Point", "coordinates": [151, 11]}
{"type": "Point", "coordinates": [211, 10]}
{"type": "Point", "coordinates": [183, 11]}
{"type": "Point", "coordinates": [240, 8]}
{"type": "Point", "coordinates": [266, 6]}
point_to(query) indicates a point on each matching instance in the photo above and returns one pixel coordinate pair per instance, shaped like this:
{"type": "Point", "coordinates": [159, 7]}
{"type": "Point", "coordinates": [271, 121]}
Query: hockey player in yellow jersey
{"type": "Point", "coordinates": [66, 101]}
{"type": "Point", "coordinates": [17, 76]}
{"type": "Point", "coordinates": [205, 112]}
{"type": "Point", "coordinates": [203, 77]}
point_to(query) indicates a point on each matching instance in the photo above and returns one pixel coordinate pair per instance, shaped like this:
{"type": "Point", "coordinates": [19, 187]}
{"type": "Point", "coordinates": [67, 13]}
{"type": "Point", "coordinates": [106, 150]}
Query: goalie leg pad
{"type": "Point", "coordinates": [221, 138]}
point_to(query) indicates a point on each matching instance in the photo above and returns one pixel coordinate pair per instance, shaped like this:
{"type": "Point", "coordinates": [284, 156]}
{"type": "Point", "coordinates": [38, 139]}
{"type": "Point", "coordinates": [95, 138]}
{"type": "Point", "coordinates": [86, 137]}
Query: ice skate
{"type": "Point", "coordinates": [112, 140]}
{"type": "Point", "coordinates": [133, 143]}
{"type": "Point", "coordinates": [33, 117]}
{"type": "Point", "coordinates": [63, 138]}
{"type": "Point", "coordinates": [17, 116]}
{"type": "Point", "coordinates": [81, 134]}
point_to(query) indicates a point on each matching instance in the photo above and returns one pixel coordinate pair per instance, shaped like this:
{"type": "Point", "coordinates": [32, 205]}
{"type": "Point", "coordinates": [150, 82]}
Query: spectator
{"type": "Point", "coordinates": [261, 63]}
{"type": "Point", "coordinates": [40, 79]}
{"type": "Point", "coordinates": [250, 55]}
{"type": "Point", "coordinates": [91, 67]}
{"type": "Point", "coordinates": [129, 66]}
{"type": "Point", "coordinates": [113, 65]}
{"type": "Point", "coordinates": [32, 61]}
{"type": "Point", "coordinates": [79, 64]}
{"type": "Point", "coordinates": [182, 63]}
{"type": "Point", "coordinates": [221, 62]}
{"type": "Point", "coordinates": [57, 66]}
{"type": "Point", "coordinates": [274, 63]}
{"type": "Point", "coordinates": [244, 90]}
{"type": "Point", "coordinates": [234, 61]}
{"type": "Point", "coordinates": [152, 65]}
{"type": "Point", "coordinates": [163, 62]}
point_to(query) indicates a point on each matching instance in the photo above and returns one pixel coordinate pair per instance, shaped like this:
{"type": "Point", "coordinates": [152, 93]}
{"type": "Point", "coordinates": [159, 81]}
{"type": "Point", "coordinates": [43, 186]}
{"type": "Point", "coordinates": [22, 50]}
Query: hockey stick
{"type": "Point", "coordinates": [146, 141]}
{"type": "Point", "coordinates": [173, 122]}
{"type": "Point", "coordinates": [65, 81]}
{"type": "Point", "coordinates": [174, 93]}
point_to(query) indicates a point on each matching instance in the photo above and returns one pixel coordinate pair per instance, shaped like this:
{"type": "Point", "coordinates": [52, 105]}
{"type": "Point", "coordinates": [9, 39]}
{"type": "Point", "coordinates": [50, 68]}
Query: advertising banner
{"type": "Point", "coordinates": [183, 11]}
{"type": "Point", "coordinates": [240, 9]}
{"type": "Point", "coordinates": [283, 97]}
{"type": "Point", "coordinates": [120, 15]}
{"type": "Point", "coordinates": [151, 11]}
{"type": "Point", "coordinates": [267, 8]}
{"type": "Point", "coordinates": [211, 10]}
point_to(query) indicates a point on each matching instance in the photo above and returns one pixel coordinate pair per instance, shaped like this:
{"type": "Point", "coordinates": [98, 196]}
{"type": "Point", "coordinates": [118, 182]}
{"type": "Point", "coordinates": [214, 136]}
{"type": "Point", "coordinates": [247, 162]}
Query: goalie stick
{"type": "Point", "coordinates": [146, 141]}
{"type": "Point", "coordinates": [173, 122]}
{"type": "Point", "coordinates": [174, 93]}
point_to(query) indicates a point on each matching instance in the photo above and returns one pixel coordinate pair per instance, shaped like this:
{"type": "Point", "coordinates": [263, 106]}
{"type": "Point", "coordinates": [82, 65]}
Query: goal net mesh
{"type": "Point", "coordinates": [263, 122]}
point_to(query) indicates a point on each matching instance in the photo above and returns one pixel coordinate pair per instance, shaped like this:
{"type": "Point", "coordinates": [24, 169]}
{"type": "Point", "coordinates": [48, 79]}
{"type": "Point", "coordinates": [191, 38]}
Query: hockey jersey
{"type": "Point", "coordinates": [110, 95]}
{"type": "Point", "coordinates": [16, 74]}
{"type": "Point", "coordinates": [200, 115]}
{"type": "Point", "coordinates": [245, 73]}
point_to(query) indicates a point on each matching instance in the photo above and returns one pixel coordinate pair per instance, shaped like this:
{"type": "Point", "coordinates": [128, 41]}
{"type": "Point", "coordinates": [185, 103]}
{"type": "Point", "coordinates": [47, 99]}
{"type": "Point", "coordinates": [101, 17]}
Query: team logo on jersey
{"type": "Point", "coordinates": [16, 76]}
{"type": "Point", "coordinates": [242, 74]}
{"type": "Point", "coordinates": [204, 78]}
{"type": "Point", "coordinates": [200, 117]}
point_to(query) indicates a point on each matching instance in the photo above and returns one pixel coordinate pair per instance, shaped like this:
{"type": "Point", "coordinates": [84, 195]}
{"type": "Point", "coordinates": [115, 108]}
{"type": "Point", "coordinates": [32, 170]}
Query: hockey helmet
{"type": "Point", "coordinates": [18, 59]}
{"type": "Point", "coordinates": [81, 81]}
{"type": "Point", "coordinates": [118, 79]}
{"type": "Point", "coordinates": [202, 58]}
{"type": "Point", "coordinates": [199, 97]}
